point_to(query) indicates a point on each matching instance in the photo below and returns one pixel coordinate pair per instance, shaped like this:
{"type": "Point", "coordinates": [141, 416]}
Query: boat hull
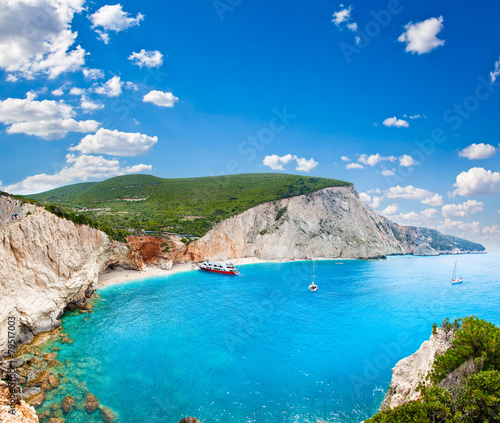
{"type": "Point", "coordinates": [223, 272]}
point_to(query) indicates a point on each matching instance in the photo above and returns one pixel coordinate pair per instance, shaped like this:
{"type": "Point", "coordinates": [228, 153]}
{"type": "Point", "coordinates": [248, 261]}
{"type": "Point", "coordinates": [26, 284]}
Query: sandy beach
{"type": "Point", "coordinates": [114, 277]}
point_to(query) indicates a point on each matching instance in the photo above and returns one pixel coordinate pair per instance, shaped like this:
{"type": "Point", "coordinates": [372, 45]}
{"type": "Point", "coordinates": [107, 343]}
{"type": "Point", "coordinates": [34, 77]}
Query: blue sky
{"type": "Point", "coordinates": [399, 97]}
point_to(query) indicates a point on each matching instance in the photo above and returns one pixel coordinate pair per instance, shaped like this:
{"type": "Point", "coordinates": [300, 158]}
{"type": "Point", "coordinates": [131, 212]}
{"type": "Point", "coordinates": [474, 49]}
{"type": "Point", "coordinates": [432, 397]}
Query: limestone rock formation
{"type": "Point", "coordinates": [330, 223]}
{"type": "Point", "coordinates": [411, 371]}
{"type": "Point", "coordinates": [47, 263]}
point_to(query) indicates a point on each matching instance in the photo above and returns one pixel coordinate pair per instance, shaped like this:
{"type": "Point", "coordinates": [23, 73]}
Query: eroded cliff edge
{"type": "Point", "coordinates": [47, 263]}
{"type": "Point", "coordinates": [332, 223]}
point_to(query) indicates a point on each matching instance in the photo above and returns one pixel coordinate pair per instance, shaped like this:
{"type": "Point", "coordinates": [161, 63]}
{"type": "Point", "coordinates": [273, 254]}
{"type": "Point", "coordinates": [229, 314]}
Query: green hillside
{"type": "Point", "coordinates": [187, 206]}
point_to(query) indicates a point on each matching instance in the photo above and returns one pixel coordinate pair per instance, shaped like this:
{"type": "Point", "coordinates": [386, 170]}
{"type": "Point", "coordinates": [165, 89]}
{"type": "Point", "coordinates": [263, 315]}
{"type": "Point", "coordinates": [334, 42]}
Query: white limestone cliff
{"type": "Point", "coordinates": [411, 371]}
{"type": "Point", "coordinates": [330, 223]}
{"type": "Point", "coordinates": [46, 263]}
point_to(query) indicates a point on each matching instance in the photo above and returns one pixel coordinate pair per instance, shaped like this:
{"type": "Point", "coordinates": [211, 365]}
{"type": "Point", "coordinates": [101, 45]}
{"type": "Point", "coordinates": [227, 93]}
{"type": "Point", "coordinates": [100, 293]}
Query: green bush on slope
{"type": "Point", "coordinates": [472, 399]}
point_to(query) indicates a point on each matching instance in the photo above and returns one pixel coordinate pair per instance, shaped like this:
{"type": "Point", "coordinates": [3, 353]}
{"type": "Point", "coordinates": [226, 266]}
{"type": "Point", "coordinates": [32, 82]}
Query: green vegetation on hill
{"type": "Point", "coordinates": [465, 381]}
{"type": "Point", "coordinates": [187, 206]}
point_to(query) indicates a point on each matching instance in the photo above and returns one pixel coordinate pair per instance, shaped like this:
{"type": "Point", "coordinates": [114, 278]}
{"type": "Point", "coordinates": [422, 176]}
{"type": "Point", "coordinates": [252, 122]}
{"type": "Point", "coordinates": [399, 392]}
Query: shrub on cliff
{"type": "Point", "coordinates": [471, 391]}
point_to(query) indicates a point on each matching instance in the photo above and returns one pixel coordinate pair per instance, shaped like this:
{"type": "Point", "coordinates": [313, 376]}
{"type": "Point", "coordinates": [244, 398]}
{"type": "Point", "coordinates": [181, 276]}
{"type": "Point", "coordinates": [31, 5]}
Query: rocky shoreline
{"type": "Point", "coordinates": [46, 383]}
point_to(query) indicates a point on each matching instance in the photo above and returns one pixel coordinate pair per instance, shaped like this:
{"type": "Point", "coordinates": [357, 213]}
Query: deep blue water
{"type": "Point", "coordinates": [261, 347]}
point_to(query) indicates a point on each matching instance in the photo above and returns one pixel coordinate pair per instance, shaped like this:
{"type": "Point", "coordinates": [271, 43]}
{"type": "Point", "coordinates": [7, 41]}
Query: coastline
{"type": "Point", "coordinates": [115, 277]}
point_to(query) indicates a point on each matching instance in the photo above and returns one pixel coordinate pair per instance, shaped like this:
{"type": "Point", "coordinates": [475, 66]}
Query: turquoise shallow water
{"type": "Point", "coordinates": [261, 347]}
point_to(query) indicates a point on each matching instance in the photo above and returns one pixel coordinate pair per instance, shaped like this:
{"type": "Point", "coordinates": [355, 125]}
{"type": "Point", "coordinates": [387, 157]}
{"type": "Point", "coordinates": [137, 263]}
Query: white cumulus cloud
{"type": "Point", "coordinates": [394, 121]}
{"type": "Point", "coordinates": [478, 151]}
{"type": "Point", "coordinates": [462, 210]}
{"type": "Point", "coordinates": [477, 182]}
{"type": "Point", "coordinates": [388, 172]}
{"type": "Point", "coordinates": [350, 166]}
{"type": "Point", "coordinates": [160, 98]}
{"type": "Point", "coordinates": [304, 165]}
{"type": "Point", "coordinates": [111, 88]}
{"type": "Point", "coordinates": [116, 143]}
{"type": "Point", "coordinates": [390, 210]}
{"type": "Point", "coordinates": [421, 37]}
{"type": "Point", "coordinates": [276, 162]}
{"type": "Point", "coordinates": [36, 38]}
{"type": "Point", "coordinates": [89, 106]}
{"type": "Point", "coordinates": [47, 119]}
{"type": "Point", "coordinates": [407, 161]}
{"type": "Point", "coordinates": [412, 193]}
{"type": "Point", "coordinates": [147, 58]}
{"type": "Point", "coordinates": [373, 159]}
{"type": "Point", "coordinates": [113, 18]}
{"type": "Point", "coordinates": [76, 168]}
{"type": "Point", "coordinates": [342, 16]}
{"type": "Point", "coordinates": [92, 74]}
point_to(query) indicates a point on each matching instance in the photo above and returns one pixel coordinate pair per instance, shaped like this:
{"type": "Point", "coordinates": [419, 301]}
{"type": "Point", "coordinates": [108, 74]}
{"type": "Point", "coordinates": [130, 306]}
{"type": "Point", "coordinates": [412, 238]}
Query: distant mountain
{"type": "Point", "coordinates": [188, 205]}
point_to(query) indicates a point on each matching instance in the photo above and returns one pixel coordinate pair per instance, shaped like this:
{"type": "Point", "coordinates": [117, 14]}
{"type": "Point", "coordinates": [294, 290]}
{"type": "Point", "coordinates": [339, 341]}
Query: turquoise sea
{"type": "Point", "coordinates": [262, 348]}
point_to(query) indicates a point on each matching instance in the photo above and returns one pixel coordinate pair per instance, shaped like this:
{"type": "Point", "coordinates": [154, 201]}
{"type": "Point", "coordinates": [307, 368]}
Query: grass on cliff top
{"type": "Point", "coordinates": [183, 205]}
{"type": "Point", "coordinates": [464, 382]}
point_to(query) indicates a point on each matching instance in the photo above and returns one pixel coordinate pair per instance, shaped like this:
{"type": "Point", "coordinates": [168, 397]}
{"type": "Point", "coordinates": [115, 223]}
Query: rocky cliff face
{"type": "Point", "coordinates": [47, 263]}
{"type": "Point", "coordinates": [332, 223]}
{"type": "Point", "coordinates": [23, 412]}
{"type": "Point", "coordinates": [411, 371]}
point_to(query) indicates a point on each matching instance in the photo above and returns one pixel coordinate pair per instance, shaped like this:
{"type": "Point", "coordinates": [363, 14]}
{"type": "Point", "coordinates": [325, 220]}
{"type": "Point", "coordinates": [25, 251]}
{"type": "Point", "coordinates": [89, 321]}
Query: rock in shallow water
{"type": "Point", "coordinates": [189, 420]}
{"type": "Point", "coordinates": [68, 403]}
{"type": "Point", "coordinates": [91, 403]}
{"type": "Point", "coordinates": [108, 415]}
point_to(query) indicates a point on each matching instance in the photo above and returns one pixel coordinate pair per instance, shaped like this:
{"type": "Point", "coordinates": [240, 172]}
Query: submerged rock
{"type": "Point", "coordinates": [54, 381]}
{"type": "Point", "coordinates": [91, 403]}
{"type": "Point", "coordinates": [36, 400]}
{"type": "Point", "coordinates": [37, 378]}
{"type": "Point", "coordinates": [68, 403]}
{"type": "Point", "coordinates": [108, 415]}
{"type": "Point", "coordinates": [189, 420]}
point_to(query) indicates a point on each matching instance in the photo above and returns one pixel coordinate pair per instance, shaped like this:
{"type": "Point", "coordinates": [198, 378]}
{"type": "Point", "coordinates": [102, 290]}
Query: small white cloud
{"type": "Point", "coordinates": [478, 151]}
{"type": "Point", "coordinates": [160, 98]}
{"type": "Point", "coordinates": [342, 16]}
{"type": "Point", "coordinates": [388, 172]}
{"type": "Point", "coordinates": [11, 78]}
{"type": "Point", "coordinates": [92, 74]}
{"type": "Point", "coordinates": [276, 162]}
{"type": "Point", "coordinates": [411, 193]}
{"type": "Point", "coordinates": [364, 197]}
{"type": "Point", "coordinates": [462, 210]}
{"type": "Point", "coordinates": [89, 106]}
{"type": "Point", "coordinates": [147, 58]}
{"type": "Point", "coordinates": [113, 18]}
{"type": "Point", "coordinates": [304, 165]}
{"type": "Point", "coordinates": [374, 191]}
{"type": "Point", "coordinates": [415, 116]}
{"type": "Point", "coordinates": [76, 91]}
{"type": "Point", "coordinates": [421, 37]}
{"type": "Point", "coordinates": [496, 72]}
{"type": "Point", "coordinates": [111, 88]}
{"type": "Point", "coordinates": [376, 201]}
{"type": "Point", "coordinates": [407, 161]}
{"type": "Point", "coordinates": [345, 159]}
{"type": "Point", "coordinates": [115, 143]}
{"type": "Point", "coordinates": [353, 26]}
{"type": "Point", "coordinates": [77, 168]}
{"type": "Point", "coordinates": [373, 159]}
{"type": "Point", "coordinates": [58, 92]}
{"type": "Point", "coordinates": [391, 210]}
{"type": "Point", "coordinates": [354, 166]}
{"type": "Point", "coordinates": [131, 86]}
{"type": "Point", "coordinates": [394, 121]}
{"type": "Point", "coordinates": [477, 182]}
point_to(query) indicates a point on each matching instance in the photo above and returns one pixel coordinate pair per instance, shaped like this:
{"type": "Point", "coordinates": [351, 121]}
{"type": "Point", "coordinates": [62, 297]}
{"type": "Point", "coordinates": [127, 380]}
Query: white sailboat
{"type": "Point", "coordinates": [456, 279]}
{"type": "Point", "coordinates": [313, 287]}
